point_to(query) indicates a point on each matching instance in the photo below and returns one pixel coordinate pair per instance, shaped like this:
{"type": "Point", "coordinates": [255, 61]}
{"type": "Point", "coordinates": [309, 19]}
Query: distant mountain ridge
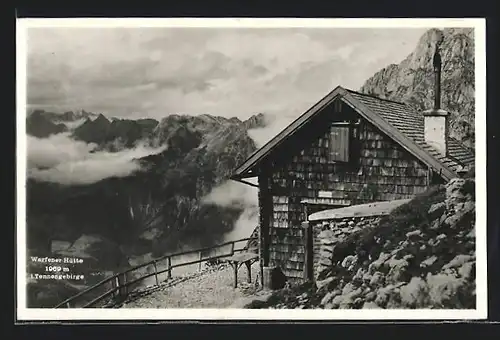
{"type": "Point", "coordinates": [411, 81]}
{"type": "Point", "coordinates": [67, 116]}
{"type": "Point", "coordinates": [201, 153]}
{"type": "Point", "coordinates": [164, 200]}
{"type": "Point", "coordinates": [40, 126]}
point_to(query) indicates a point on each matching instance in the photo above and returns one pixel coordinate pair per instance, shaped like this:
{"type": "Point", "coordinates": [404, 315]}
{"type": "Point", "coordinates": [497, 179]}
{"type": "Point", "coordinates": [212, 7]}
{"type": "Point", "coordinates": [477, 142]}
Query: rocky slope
{"type": "Point", "coordinates": [114, 221]}
{"type": "Point", "coordinates": [411, 81]}
{"type": "Point", "coordinates": [422, 255]}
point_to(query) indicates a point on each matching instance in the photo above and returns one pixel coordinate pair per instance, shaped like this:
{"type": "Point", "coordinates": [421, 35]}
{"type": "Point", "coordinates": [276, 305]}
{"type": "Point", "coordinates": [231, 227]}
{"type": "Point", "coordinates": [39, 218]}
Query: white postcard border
{"type": "Point", "coordinates": [43, 314]}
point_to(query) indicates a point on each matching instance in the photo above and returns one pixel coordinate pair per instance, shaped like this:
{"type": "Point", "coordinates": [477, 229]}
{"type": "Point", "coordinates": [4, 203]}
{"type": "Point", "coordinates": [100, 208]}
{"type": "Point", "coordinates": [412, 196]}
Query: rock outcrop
{"type": "Point", "coordinates": [334, 233]}
{"type": "Point", "coordinates": [422, 255]}
{"type": "Point", "coordinates": [412, 82]}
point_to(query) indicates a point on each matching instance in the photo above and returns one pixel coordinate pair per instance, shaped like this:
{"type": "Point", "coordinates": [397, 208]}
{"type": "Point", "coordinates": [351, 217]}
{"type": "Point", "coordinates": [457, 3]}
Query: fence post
{"type": "Point", "coordinates": [125, 281]}
{"type": "Point", "coordinates": [122, 284]}
{"type": "Point", "coordinates": [68, 305]}
{"type": "Point", "coordinates": [199, 263]}
{"type": "Point", "coordinates": [156, 273]}
{"type": "Point", "coordinates": [119, 285]}
{"type": "Point", "coordinates": [116, 285]}
{"type": "Point", "coordinates": [169, 266]}
{"type": "Point", "coordinates": [308, 254]}
{"type": "Point", "coordinates": [232, 248]}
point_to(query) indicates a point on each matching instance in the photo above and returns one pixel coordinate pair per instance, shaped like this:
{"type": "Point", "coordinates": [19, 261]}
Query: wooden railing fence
{"type": "Point", "coordinates": [120, 284]}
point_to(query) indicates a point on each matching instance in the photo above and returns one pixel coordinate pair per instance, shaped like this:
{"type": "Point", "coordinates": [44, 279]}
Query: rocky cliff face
{"type": "Point", "coordinates": [412, 80]}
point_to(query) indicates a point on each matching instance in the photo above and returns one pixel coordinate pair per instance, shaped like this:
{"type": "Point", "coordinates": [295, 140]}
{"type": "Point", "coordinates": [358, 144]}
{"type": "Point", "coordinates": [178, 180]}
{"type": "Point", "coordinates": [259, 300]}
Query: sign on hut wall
{"type": "Point", "coordinates": [325, 194]}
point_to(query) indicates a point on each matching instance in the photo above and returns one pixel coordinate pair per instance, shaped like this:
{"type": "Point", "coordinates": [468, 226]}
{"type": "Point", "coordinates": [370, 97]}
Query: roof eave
{"type": "Point", "coordinates": [261, 153]}
{"type": "Point", "coordinates": [408, 144]}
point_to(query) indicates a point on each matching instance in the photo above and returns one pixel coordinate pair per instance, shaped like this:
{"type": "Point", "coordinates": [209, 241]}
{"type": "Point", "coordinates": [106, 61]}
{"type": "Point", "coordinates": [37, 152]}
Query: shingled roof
{"type": "Point", "coordinates": [397, 120]}
{"type": "Point", "coordinates": [404, 118]}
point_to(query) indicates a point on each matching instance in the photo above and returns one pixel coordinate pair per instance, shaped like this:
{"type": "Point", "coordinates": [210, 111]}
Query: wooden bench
{"type": "Point", "coordinates": [239, 259]}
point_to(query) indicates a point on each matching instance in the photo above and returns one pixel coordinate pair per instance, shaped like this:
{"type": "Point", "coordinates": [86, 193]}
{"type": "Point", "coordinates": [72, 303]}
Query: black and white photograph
{"type": "Point", "coordinates": [251, 168]}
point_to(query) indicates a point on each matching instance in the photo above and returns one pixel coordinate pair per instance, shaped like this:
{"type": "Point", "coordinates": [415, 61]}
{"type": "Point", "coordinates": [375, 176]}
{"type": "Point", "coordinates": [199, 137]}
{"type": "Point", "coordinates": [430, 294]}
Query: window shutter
{"type": "Point", "coordinates": [333, 144]}
{"type": "Point", "coordinates": [344, 144]}
{"type": "Point", "coordinates": [339, 144]}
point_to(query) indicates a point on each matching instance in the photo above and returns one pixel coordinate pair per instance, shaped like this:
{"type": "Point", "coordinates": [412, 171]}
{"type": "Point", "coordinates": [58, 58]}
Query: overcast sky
{"type": "Point", "coordinates": [152, 72]}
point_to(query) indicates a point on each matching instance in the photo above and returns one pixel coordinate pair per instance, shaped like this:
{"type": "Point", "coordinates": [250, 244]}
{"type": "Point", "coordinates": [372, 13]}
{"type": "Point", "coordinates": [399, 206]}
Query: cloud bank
{"type": "Point", "coordinates": [233, 194]}
{"type": "Point", "coordinates": [151, 72]}
{"type": "Point", "coordinates": [72, 125]}
{"type": "Point", "coordinates": [230, 72]}
{"type": "Point", "coordinates": [61, 159]}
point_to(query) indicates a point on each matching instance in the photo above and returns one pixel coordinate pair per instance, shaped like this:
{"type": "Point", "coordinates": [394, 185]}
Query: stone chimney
{"type": "Point", "coordinates": [436, 119]}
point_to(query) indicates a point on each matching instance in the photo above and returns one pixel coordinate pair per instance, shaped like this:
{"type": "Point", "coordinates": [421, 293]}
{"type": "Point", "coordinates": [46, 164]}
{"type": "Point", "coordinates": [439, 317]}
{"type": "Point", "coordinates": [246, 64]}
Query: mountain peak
{"type": "Point", "coordinates": [101, 118]}
{"type": "Point", "coordinates": [69, 116]}
{"type": "Point", "coordinates": [411, 81]}
{"type": "Point", "coordinates": [38, 125]}
{"type": "Point", "coordinates": [431, 37]}
{"type": "Point", "coordinates": [256, 121]}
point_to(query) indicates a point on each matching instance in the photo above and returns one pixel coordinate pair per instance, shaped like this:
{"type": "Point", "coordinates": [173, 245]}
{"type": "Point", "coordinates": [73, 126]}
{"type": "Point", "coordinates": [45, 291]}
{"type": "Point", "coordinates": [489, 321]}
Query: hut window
{"type": "Point", "coordinates": [339, 144]}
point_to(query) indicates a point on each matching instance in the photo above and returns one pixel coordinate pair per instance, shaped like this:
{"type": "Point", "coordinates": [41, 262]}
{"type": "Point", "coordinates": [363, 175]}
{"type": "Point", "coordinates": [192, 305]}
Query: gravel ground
{"type": "Point", "coordinates": [213, 289]}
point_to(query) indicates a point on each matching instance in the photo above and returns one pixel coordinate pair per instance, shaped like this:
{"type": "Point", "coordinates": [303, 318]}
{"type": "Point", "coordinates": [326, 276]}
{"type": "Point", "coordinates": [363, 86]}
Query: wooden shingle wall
{"type": "Point", "coordinates": [378, 170]}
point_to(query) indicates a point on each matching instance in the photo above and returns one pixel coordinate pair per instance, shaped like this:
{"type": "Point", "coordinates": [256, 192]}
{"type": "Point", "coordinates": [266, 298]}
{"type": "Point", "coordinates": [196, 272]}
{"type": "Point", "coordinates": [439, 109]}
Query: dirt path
{"type": "Point", "coordinates": [213, 289]}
